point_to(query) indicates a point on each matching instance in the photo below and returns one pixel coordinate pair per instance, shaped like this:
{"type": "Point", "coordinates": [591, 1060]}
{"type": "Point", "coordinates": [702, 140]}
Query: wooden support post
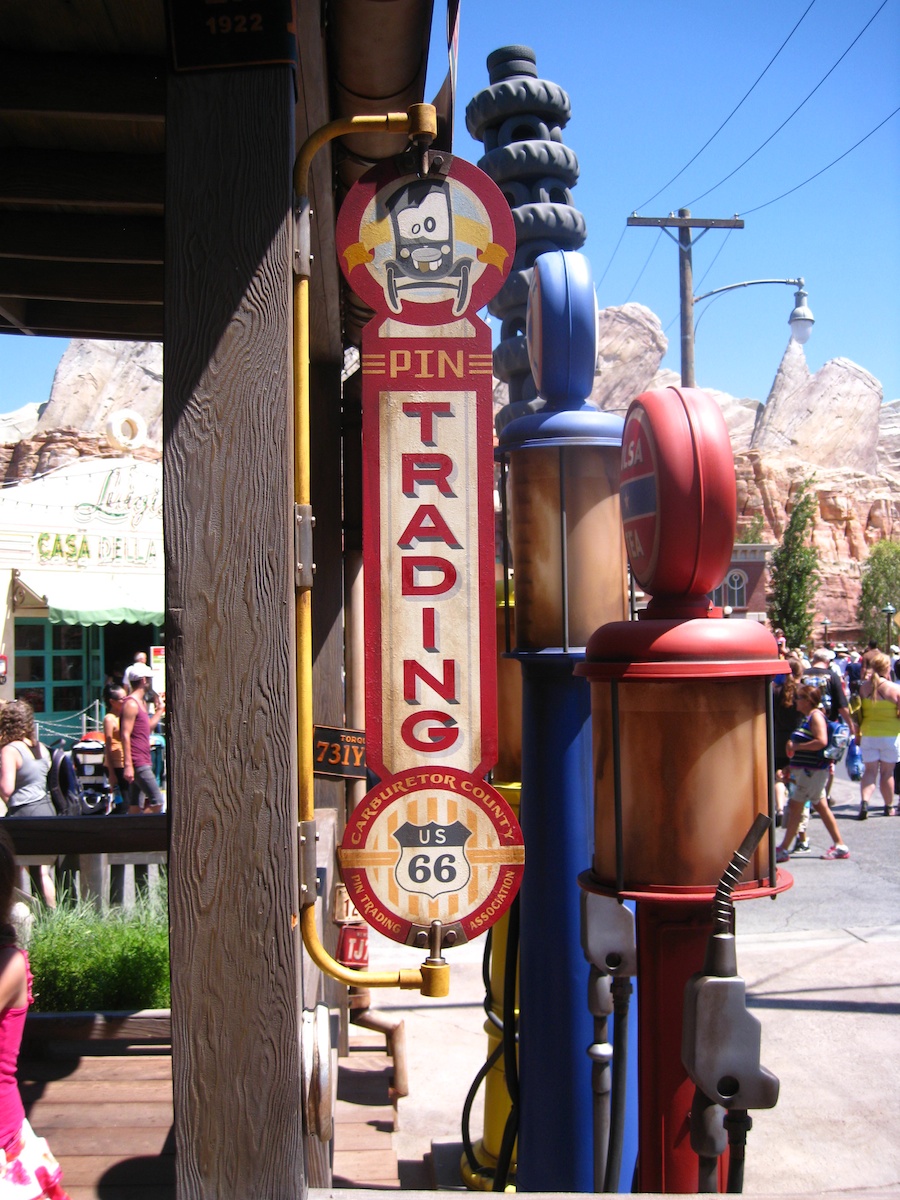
{"type": "Point", "coordinates": [92, 869]}
{"type": "Point", "coordinates": [233, 885]}
{"type": "Point", "coordinates": [686, 293]}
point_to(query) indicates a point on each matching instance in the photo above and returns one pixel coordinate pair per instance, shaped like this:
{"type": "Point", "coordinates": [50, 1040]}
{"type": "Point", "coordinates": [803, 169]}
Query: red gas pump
{"type": "Point", "coordinates": [682, 766]}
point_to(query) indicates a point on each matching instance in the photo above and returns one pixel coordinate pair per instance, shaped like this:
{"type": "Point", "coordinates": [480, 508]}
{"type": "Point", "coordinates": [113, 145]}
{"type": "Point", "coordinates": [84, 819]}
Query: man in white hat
{"type": "Point", "coordinates": [135, 726]}
{"type": "Point", "coordinates": [130, 673]}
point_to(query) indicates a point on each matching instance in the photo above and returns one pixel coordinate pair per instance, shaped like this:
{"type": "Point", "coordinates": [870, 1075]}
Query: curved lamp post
{"type": "Point", "coordinates": [825, 624]}
{"type": "Point", "coordinates": [801, 319]}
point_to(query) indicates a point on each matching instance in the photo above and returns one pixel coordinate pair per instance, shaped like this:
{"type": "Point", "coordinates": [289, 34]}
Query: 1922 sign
{"type": "Point", "coordinates": [231, 33]}
{"type": "Point", "coordinates": [339, 753]}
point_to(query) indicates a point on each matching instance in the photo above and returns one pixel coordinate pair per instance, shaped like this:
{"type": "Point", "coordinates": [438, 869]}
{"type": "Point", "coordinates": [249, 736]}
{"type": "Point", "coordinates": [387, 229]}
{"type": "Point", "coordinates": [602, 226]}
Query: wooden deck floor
{"type": "Point", "coordinates": [108, 1119]}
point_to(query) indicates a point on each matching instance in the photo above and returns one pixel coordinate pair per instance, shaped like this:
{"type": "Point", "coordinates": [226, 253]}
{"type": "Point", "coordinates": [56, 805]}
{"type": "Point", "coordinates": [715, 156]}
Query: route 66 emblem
{"type": "Point", "coordinates": [432, 858]}
{"type": "Point", "coordinates": [430, 845]}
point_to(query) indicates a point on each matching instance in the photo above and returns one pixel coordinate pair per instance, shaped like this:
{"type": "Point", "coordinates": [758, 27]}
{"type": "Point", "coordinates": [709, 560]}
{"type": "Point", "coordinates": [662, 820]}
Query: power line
{"type": "Point", "coordinates": [714, 257]}
{"type": "Point", "coordinates": [824, 169]}
{"type": "Point", "coordinates": [644, 267]}
{"type": "Point", "coordinates": [731, 114]}
{"type": "Point", "coordinates": [612, 256]}
{"type": "Point", "coordinates": [793, 114]}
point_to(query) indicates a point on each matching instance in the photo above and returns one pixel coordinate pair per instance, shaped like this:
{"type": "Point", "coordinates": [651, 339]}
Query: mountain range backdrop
{"type": "Point", "coordinates": [831, 426]}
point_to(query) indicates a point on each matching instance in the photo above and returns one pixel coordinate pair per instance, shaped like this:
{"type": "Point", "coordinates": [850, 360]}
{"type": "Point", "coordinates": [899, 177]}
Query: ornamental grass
{"type": "Point", "coordinates": [85, 961]}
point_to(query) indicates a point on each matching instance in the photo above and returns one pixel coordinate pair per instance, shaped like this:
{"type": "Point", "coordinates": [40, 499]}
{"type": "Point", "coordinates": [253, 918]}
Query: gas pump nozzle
{"type": "Point", "coordinates": [720, 1044]}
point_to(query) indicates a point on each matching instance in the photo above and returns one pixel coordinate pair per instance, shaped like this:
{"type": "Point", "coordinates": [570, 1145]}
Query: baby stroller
{"type": "Point", "coordinates": [89, 761]}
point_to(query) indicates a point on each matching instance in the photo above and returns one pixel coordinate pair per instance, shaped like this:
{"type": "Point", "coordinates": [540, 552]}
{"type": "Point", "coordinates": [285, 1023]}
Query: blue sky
{"type": "Point", "coordinates": [649, 84]}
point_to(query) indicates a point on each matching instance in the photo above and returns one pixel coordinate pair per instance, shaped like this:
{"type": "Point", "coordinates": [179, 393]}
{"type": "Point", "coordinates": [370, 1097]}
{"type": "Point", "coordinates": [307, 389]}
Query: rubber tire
{"type": "Point", "coordinates": [523, 127]}
{"type": "Point", "coordinates": [513, 294]}
{"type": "Point", "coordinates": [507, 61]}
{"type": "Point", "coordinates": [520, 408]}
{"type": "Point", "coordinates": [126, 430]}
{"type": "Point", "coordinates": [513, 96]}
{"type": "Point", "coordinates": [513, 325]}
{"type": "Point", "coordinates": [515, 192]}
{"type": "Point", "coordinates": [529, 251]}
{"type": "Point", "coordinates": [550, 190]}
{"type": "Point", "coordinates": [522, 390]}
{"type": "Point", "coordinates": [511, 358]}
{"type": "Point", "coordinates": [559, 223]}
{"type": "Point", "coordinates": [526, 160]}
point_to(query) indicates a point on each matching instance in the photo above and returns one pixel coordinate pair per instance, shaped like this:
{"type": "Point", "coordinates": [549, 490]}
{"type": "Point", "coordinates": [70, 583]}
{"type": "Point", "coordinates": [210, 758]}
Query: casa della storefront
{"type": "Point", "coordinates": [81, 554]}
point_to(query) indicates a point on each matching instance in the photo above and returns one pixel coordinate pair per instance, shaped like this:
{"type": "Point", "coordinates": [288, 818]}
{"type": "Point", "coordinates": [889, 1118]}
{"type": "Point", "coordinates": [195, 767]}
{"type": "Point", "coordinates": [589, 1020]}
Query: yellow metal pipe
{"type": "Point", "coordinates": [420, 123]}
{"type": "Point", "coordinates": [429, 980]}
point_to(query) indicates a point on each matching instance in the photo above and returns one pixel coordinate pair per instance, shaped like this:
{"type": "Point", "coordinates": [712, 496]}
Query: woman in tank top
{"type": "Point", "coordinates": [24, 767]}
{"type": "Point", "coordinates": [878, 732]}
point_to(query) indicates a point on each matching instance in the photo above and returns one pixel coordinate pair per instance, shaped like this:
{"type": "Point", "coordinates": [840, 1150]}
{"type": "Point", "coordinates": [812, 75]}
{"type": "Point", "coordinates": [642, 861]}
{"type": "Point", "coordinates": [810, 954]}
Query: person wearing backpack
{"type": "Point", "coordinates": [809, 770]}
{"type": "Point", "coordinates": [24, 767]}
{"type": "Point", "coordinates": [878, 732]}
{"type": "Point", "coordinates": [835, 701]}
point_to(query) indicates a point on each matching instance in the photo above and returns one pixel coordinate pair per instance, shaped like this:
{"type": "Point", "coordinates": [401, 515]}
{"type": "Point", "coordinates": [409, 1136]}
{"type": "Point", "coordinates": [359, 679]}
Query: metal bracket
{"type": "Point", "coordinates": [305, 568]}
{"type": "Point", "coordinates": [318, 1085]}
{"type": "Point", "coordinates": [307, 848]}
{"type": "Point", "coordinates": [302, 238]}
{"type": "Point", "coordinates": [607, 934]}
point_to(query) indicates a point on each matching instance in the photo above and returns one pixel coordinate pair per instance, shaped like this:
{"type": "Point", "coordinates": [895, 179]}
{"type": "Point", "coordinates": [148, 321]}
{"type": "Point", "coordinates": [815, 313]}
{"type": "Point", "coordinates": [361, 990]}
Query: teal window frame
{"type": "Point", "coordinates": [65, 669]}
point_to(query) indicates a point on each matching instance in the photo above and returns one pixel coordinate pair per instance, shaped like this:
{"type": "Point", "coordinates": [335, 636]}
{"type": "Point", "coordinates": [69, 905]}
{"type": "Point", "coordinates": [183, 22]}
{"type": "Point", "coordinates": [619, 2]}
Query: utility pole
{"type": "Point", "coordinates": [684, 223]}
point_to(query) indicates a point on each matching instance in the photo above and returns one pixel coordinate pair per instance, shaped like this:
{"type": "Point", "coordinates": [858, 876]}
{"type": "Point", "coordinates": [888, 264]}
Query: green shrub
{"type": "Point", "coordinates": [84, 961]}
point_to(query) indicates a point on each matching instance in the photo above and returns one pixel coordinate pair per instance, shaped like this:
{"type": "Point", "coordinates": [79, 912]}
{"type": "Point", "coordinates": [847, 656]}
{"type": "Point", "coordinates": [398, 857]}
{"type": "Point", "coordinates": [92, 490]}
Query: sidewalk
{"type": "Point", "coordinates": [828, 1001]}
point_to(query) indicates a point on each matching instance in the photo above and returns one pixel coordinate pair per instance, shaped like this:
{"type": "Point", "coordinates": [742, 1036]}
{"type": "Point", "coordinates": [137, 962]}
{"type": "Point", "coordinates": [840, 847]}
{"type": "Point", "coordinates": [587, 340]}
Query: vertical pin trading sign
{"type": "Point", "coordinates": [425, 252]}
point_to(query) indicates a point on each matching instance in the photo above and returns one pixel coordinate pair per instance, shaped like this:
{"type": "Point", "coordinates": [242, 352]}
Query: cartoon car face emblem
{"type": "Point", "coordinates": [422, 225]}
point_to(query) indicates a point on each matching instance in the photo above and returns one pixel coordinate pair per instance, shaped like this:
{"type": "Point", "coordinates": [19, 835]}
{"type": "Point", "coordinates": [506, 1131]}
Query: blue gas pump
{"type": "Point", "coordinates": [559, 484]}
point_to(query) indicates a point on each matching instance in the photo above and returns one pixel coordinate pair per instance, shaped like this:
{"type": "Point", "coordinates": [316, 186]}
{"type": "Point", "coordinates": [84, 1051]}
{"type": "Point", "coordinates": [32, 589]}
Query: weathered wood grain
{"type": "Point", "coordinates": [228, 499]}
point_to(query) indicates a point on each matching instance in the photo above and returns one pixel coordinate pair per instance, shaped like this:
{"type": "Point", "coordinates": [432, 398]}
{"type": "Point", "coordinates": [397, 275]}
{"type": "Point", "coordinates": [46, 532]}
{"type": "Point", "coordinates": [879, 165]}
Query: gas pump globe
{"type": "Point", "coordinates": [560, 471]}
{"type": "Point", "coordinates": [679, 697]}
{"type": "Point", "coordinates": [562, 493]}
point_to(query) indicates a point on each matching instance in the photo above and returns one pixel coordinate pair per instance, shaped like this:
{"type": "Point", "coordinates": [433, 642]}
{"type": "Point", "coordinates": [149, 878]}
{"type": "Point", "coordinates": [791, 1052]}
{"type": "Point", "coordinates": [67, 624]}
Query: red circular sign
{"type": "Point", "coordinates": [638, 495]}
{"type": "Point", "coordinates": [432, 844]}
{"type": "Point", "coordinates": [425, 250]}
{"type": "Point", "coordinates": [678, 492]}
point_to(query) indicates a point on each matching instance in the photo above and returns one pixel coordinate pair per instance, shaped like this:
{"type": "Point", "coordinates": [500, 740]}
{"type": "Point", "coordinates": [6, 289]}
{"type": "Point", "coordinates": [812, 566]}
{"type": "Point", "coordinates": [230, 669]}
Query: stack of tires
{"type": "Point", "coordinates": [520, 119]}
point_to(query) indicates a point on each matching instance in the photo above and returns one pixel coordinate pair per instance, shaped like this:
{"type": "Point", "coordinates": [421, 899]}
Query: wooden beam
{"type": "Point", "coordinates": [91, 282]}
{"type": "Point", "coordinates": [90, 835]}
{"type": "Point", "coordinates": [122, 322]}
{"type": "Point", "coordinates": [79, 238]}
{"type": "Point", "coordinates": [12, 312]}
{"type": "Point", "coordinates": [92, 87]}
{"type": "Point", "coordinates": [70, 180]}
{"type": "Point", "coordinates": [146, 1025]}
{"type": "Point", "coordinates": [227, 455]}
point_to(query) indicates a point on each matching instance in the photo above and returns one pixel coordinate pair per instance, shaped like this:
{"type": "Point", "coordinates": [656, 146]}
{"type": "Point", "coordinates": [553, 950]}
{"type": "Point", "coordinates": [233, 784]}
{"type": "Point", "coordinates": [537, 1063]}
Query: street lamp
{"type": "Point", "coordinates": [825, 624]}
{"type": "Point", "coordinates": [888, 611]}
{"type": "Point", "coordinates": [801, 319]}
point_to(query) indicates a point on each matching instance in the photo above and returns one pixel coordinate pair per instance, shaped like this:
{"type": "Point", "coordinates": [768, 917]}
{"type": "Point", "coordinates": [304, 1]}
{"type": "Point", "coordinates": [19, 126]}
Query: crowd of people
{"type": "Point", "coordinates": [859, 688]}
{"type": "Point", "coordinates": [133, 713]}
